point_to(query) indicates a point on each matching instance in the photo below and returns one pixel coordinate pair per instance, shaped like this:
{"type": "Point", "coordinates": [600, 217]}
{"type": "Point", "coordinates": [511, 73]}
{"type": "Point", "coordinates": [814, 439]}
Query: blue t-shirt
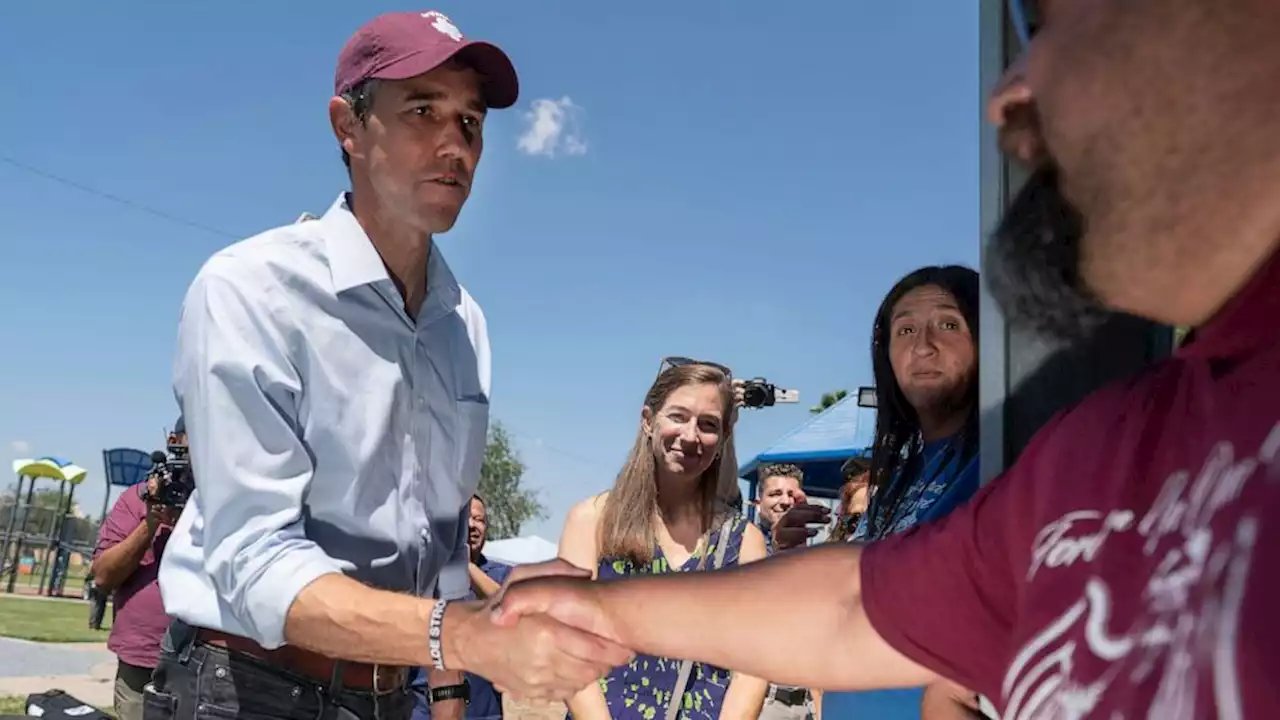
{"type": "Point", "coordinates": [941, 484]}
{"type": "Point", "coordinates": [486, 701]}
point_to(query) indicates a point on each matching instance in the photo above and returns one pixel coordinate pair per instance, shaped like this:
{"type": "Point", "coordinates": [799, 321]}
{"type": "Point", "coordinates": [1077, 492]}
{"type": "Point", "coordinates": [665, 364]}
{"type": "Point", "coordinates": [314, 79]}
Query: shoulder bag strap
{"type": "Point", "coordinates": [686, 666]}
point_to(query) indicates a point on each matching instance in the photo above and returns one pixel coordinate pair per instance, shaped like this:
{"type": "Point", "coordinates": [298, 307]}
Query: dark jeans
{"type": "Point", "coordinates": [194, 681]}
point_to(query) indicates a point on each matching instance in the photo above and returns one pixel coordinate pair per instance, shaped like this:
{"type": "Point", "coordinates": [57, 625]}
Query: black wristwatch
{"type": "Point", "coordinates": [461, 691]}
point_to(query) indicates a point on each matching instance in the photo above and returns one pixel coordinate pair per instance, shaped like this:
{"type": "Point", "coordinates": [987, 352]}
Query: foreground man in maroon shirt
{"type": "Point", "coordinates": [1125, 566]}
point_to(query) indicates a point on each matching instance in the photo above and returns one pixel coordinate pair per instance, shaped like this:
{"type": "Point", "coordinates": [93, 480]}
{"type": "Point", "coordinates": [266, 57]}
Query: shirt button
{"type": "Point", "coordinates": [421, 401]}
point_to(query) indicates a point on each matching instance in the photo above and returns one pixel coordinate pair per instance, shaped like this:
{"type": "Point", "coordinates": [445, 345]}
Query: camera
{"type": "Point", "coordinates": [758, 393]}
{"type": "Point", "coordinates": [172, 473]}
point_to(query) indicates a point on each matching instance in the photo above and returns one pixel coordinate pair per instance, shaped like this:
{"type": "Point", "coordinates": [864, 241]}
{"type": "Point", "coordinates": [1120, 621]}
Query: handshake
{"type": "Point", "coordinates": [543, 636]}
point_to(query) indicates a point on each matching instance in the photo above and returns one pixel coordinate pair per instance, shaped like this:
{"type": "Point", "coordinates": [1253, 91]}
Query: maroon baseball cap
{"type": "Point", "coordinates": [401, 45]}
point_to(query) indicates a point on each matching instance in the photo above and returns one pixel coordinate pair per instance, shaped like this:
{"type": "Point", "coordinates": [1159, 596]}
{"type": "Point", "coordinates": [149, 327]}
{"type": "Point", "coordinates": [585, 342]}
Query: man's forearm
{"type": "Point", "coordinates": [338, 617]}
{"type": "Point", "coordinates": [115, 564]}
{"type": "Point", "coordinates": [744, 698]}
{"type": "Point", "coordinates": [944, 700]}
{"type": "Point", "coordinates": [707, 617]}
{"type": "Point", "coordinates": [484, 585]}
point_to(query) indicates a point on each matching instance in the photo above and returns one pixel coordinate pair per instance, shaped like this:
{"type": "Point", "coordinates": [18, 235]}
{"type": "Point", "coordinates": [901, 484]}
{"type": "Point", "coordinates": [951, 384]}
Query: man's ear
{"type": "Point", "coordinates": [344, 123]}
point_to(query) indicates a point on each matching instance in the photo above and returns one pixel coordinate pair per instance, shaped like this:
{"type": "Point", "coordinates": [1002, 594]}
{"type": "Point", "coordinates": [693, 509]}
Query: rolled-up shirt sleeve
{"type": "Point", "coordinates": [455, 580]}
{"type": "Point", "coordinates": [238, 391]}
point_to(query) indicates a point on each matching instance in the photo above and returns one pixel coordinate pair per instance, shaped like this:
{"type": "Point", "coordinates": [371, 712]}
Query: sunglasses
{"type": "Point", "coordinates": [675, 362]}
{"type": "Point", "coordinates": [1025, 15]}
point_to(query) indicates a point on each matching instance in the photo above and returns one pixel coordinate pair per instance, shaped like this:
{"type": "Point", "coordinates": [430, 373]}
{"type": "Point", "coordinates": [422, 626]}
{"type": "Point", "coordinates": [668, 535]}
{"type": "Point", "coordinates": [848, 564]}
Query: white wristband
{"type": "Point", "coordinates": [434, 633]}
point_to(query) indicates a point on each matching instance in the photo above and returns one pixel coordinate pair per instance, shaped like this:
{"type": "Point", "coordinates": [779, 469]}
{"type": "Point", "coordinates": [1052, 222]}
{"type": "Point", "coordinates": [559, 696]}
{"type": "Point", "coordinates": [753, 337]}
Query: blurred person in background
{"type": "Point", "coordinates": [487, 577]}
{"type": "Point", "coordinates": [853, 498]}
{"type": "Point", "coordinates": [126, 561]}
{"type": "Point", "coordinates": [666, 514]}
{"type": "Point", "coordinates": [782, 487]}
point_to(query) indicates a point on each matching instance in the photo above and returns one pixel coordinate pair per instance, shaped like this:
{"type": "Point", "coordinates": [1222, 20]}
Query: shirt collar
{"type": "Point", "coordinates": [355, 262]}
{"type": "Point", "coordinates": [1247, 321]}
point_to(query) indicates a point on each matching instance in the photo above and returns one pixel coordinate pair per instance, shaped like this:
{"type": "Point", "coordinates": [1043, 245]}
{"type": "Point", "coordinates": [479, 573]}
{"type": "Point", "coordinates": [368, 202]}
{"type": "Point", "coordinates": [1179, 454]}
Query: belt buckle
{"type": "Point", "coordinates": [394, 674]}
{"type": "Point", "coordinates": [791, 696]}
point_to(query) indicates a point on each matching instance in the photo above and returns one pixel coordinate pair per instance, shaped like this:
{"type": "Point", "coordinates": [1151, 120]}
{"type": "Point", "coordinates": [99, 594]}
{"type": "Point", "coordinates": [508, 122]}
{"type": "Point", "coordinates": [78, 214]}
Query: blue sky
{"type": "Point", "coordinates": [736, 181]}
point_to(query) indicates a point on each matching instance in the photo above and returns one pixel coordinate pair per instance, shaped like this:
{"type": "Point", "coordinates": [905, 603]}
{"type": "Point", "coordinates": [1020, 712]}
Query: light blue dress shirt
{"type": "Point", "coordinates": [329, 431]}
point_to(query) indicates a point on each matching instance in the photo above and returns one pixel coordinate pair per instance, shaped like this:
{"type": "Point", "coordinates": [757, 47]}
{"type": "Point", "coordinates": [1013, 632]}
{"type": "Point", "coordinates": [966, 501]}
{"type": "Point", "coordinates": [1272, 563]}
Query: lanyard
{"type": "Point", "coordinates": [937, 464]}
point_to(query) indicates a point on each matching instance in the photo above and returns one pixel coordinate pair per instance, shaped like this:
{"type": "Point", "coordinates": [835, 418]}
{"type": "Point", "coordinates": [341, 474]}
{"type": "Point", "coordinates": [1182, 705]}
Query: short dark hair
{"type": "Point", "coordinates": [781, 470]}
{"type": "Point", "coordinates": [476, 496]}
{"type": "Point", "coordinates": [360, 98]}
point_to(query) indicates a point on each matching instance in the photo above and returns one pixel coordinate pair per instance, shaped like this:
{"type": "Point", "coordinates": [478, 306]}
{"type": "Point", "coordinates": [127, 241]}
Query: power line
{"type": "Point", "coordinates": [150, 210]}
{"type": "Point", "coordinates": [539, 443]}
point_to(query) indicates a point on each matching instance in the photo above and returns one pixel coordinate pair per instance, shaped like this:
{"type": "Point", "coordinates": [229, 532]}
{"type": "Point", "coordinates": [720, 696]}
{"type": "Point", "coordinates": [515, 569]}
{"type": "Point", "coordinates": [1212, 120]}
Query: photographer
{"type": "Point", "coordinates": [126, 561]}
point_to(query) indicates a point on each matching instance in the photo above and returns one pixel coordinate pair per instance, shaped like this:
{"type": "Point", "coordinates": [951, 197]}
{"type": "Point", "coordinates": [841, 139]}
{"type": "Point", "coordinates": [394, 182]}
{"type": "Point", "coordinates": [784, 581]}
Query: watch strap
{"type": "Point", "coordinates": [461, 691]}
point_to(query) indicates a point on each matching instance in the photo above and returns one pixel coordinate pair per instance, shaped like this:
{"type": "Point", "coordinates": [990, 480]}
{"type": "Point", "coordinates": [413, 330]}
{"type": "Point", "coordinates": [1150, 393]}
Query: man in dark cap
{"type": "Point", "coordinates": [1123, 567]}
{"type": "Point", "coordinates": [334, 377]}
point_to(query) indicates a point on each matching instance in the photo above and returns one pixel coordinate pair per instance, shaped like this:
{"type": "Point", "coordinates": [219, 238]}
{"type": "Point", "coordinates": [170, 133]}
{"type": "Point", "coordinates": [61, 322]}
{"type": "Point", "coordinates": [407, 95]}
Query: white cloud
{"type": "Point", "coordinates": [20, 447]}
{"type": "Point", "coordinates": [553, 127]}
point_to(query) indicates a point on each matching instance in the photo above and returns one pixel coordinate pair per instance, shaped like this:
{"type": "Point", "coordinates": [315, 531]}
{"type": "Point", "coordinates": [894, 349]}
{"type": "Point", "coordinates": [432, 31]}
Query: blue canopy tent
{"type": "Point", "coordinates": [819, 446]}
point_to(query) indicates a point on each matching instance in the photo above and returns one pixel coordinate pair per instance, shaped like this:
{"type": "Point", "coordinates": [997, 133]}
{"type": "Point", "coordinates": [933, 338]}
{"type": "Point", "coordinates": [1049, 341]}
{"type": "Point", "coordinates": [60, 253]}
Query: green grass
{"type": "Point", "coordinates": [17, 705]}
{"type": "Point", "coordinates": [13, 705]}
{"type": "Point", "coordinates": [49, 620]}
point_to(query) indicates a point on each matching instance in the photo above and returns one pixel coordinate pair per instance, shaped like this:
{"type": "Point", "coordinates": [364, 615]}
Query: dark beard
{"type": "Point", "coordinates": [1033, 267]}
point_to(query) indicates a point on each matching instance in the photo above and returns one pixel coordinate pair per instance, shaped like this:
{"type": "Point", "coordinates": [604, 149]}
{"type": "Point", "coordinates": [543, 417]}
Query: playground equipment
{"type": "Point", "coordinates": [51, 536]}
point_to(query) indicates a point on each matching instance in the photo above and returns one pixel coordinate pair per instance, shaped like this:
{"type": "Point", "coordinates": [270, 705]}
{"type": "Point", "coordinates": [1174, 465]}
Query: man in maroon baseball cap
{"type": "Point", "coordinates": [403, 45]}
{"type": "Point", "coordinates": [334, 377]}
{"type": "Point", "coordinates": [410, 98]}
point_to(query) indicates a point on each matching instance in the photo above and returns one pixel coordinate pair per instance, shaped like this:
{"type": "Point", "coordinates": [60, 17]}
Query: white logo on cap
{"type": "Point", "coordinates": [444, 25]}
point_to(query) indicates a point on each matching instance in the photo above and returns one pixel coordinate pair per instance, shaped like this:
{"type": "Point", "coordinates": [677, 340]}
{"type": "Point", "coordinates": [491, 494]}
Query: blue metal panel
{"type": "Point", "coordinates": [820, 446]}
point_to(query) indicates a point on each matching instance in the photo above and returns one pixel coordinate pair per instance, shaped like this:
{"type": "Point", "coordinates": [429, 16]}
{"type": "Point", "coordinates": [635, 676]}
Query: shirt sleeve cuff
{"type": "Point", "coordinates": [273, 594]}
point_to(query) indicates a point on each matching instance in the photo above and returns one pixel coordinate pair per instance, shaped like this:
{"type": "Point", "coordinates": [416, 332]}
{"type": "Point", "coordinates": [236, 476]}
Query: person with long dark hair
{"type": "Point", "coordinates": [924, 459]}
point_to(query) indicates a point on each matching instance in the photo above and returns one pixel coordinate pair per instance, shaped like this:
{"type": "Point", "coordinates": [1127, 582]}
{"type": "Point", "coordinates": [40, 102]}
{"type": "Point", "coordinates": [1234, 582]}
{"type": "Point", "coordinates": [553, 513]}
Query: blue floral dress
{"type": "Point", "coordinates": [642, 689]}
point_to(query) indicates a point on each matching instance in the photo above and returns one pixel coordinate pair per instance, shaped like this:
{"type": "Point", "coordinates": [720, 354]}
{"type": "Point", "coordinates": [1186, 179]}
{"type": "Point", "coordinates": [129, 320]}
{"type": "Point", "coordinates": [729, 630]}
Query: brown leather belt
{"type": "Point", "coordinates": [355, 675]}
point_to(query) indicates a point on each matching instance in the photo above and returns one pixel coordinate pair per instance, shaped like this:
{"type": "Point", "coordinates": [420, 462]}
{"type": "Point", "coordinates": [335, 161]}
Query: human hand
{"type": "Point", "coordinates": [739, 393]}
{"type": "Point", "coordinates": [531, 658]}
{"type": "Point", "coordinates": [551, 568]}
{"type": "Point", "coordinates": [796, 525]}
{"type": "Point", "coordinates": [158, 514]}
{"type": "Point", "coordinates": [571, 601]}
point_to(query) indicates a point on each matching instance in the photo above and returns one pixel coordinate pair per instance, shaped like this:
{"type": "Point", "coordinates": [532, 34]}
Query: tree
{"type": "Point", "coordinates": [510, 505]}
{"type": "Point", "coordinates": [828, 399]}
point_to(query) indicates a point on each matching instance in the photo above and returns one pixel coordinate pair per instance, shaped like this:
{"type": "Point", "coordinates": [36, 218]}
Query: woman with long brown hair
{"type": "Point", "coordinates": [665, 513]}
